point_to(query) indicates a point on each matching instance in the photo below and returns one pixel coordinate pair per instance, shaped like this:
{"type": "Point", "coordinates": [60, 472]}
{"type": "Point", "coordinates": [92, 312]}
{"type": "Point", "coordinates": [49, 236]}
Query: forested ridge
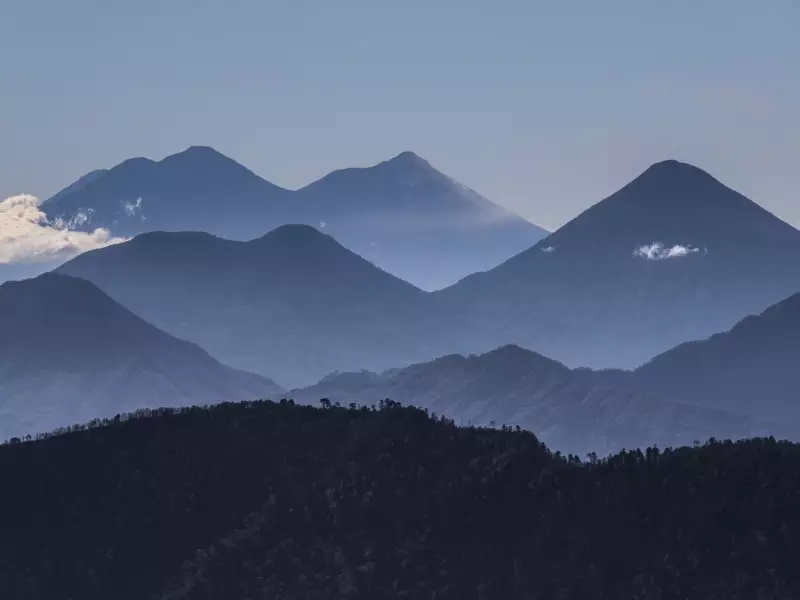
{"type": "Point", "coordinates": [276, 500]}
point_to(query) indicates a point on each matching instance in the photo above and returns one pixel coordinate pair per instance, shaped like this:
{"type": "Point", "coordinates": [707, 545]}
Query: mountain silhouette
{"type": "Point", "coordinates": [401, 214]}
{"type": "Point", "coordinates": [576, 411]}
{"type": "Point", "coordinates": [79, 184]}
{"type": "Point", "coordinates": [278, 501]}
{"type": "Point", "coordinates": [415, 221]}
{"type": "Point", "coordinates": [197, 189]}
{"type": "Point", "coordinates": [294, 303]}
{"type": "Point", "coordinates": [674, 255]}
{"type": "Point", "coordinates": [70, 353]}
{"type": "Point", "coordinates": [752, 368]}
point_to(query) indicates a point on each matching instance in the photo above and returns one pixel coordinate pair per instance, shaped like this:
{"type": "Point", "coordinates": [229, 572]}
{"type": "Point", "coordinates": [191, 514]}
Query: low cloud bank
{"type": "Point", "coordinates": [658, 251]}
{"type": "Point", "coordinates": [28, 236]}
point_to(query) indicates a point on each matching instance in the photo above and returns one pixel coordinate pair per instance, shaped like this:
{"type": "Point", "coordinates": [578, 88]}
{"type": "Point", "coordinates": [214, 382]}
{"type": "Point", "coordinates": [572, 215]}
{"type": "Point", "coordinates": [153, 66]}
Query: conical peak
{"type": "Point", "coordinates": [295, 234]}
{"type": "Point", "coordinates": [674, 173]}
{"type": "Point", "coordinates": [407, 159]}
{"type": "Point", "coordinates": [195, 154]}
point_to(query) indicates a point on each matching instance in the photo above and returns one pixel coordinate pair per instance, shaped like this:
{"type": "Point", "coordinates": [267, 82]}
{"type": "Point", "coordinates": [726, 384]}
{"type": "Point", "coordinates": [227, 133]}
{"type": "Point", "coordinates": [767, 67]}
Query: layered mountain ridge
{"type": "Point", "coordinates": [69, 353]}
{"type": "Point", "coordinates": [293, 303]}
{"type": "Point", "coordinates": [401, 214]}
{"type": "Point", "coordinates": [672, 256]}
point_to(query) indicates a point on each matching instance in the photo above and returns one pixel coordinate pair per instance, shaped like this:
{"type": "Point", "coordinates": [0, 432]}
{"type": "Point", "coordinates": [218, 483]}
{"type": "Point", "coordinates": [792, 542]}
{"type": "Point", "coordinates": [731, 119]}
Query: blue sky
{"type": "Point", "coordinates": [544, 107]}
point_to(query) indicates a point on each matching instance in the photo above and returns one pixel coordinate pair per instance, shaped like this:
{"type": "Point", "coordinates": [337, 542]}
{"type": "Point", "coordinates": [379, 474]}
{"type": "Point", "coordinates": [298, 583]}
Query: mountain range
{"type": "Point", "coordinates": [673, 256]}
{"type": "Point", "coordinates": [751, 368]}
{"type": "Point", "coordinates": [69, 353]}
{"type": "Point", "coordinates": [293, 303]}
{"type": "Point", "coordinates": [402, 214]}
{"type": "Point", "coordinates": [572, 410]}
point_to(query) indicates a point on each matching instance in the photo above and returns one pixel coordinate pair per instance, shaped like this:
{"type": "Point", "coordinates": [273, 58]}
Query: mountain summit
{"type": "Point", "coordinates": [674, 255]}
{"type": "Point", "coordinates": [196, 189]}
{"type": "Point", "coordinates": [293, 302]}
{"type": "Point", "coordinates": [402, 214]}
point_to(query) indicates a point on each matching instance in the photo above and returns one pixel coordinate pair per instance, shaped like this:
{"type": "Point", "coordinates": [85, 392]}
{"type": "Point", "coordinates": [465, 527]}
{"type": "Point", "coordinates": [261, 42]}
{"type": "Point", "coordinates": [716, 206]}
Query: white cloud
{"type": "Point", "coordinates": [548, 249]}
{"type": "Point", "coordinates": [658, 251]}
{"type": "Point", "coordinates": [27, 235]}
{"type": "Point", "coordinates": [131, 208]}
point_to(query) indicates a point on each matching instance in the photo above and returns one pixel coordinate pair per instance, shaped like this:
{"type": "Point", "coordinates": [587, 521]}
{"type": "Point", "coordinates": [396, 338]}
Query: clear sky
{"type": "Point", "coordinates": [544, 107]}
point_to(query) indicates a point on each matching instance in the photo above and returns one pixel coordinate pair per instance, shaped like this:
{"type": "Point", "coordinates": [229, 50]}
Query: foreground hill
{"type": "Point", "coordinates": [294, 302]}
{"type": "Point", "coordinates": [70, 353]}
{"type": "Point", "coordinates": [287, 502]}
{"type": "Point", "coordinates": [753, 368]}
{"type": "Point", "coordinates": [401, 214]}
{"type": "Point", "coordinates": [673, 256]}
{"type": "Point", "coordinates": [578, 411]}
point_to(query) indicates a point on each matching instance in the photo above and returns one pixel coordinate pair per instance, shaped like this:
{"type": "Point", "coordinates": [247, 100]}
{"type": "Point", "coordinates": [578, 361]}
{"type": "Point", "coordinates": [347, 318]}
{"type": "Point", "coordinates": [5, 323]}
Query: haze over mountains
{"type": "Point", "coordinates": [401, 214]}
{"type": "Point", "coordinates": [69, 353]}
{"type": "Point", "coordinates": [753, 368]}
{"type": "Point", "coordinates": [574, 411]}
{"type": "Point", "coordinates": [673, 256]}
{"type": "Point", "coordinates": [293, 302]}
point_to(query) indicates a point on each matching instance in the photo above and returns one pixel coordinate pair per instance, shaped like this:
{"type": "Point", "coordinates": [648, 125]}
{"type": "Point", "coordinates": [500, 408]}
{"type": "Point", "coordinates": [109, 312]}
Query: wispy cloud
{"type": "Point", "coordinates": [658, 251]}
{"type": "Point", "coordinates": [132, 208]}
{"type": "Point", "coordinates": [27, 235]}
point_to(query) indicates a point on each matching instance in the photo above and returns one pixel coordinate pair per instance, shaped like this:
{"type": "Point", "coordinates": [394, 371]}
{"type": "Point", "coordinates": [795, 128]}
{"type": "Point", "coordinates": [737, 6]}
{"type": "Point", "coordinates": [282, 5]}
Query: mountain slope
{"type": "Point", "coordinates": [294, 302]}
{"type": "Point", "coordinates": [78, 184]}
{"type": "Point", "coordinates": [264, 500]}
{"type": "Point", "coordinates": [401, 214]}
{"type": "Point", "coordinates": [753, 368]}
{"type": "Point", "coordinates": [673, 256]}
{"type": "Point", "coordinates": [570, 410]}
{"type": "Point", "coordinates": [197, 189]}
{"type": "Point", "coordinates": [415, 221]}
{"type": "Point", "coordinates": [70, 353]}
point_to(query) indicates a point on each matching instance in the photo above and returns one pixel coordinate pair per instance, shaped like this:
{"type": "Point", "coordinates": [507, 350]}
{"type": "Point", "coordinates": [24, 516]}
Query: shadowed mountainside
{"type": "Point", "coordinates": [577, 411]}
{"type": "Point", "coordinates": [401, 214]}
{"type": "Point", "coordinates": [294, 302]}
{"type": "Point", "coordinates": [70, 353]}
{"type": "Point", "coordinates": [751, 369]}
{"type": "Point", "coordinates": [673, 256]}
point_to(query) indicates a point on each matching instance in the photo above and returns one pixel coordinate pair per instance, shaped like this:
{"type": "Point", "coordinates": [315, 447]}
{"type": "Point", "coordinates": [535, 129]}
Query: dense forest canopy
{"type": "Point", "coordinates": [281, 501]}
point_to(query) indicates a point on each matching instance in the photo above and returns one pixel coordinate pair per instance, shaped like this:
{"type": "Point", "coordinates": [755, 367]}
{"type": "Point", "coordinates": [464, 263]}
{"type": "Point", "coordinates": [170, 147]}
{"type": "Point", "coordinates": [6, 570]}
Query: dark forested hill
{"type": "Point", "coordinates": [673, 256]}
{"type": "Point", "coordinates": [284, 502]}
{"type": "Point", "coordinates": [293, 304]}
{"type": "Point", "coordinates": [70, 353]}
{"type": "Point", "coordinates": [572, 410]}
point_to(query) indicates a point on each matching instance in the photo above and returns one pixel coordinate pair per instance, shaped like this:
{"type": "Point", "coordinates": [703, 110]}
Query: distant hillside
{"type": "Point", "coordinates": [286, 502]}
{"type": "Point", "coordinates": [673, 256]}
{"type": "Point", "coordinates": [753, 368]}
{"type": "Point", "coordinates": [70, 353]}
{"type": "Point", "coordinates": [197, 189]}
{"type": "Point", "coordinates": [577, 411]}
{"type": "Point", "coordinates": [402, 214]}
{"type": "Point", "coordinates": [293, 304]}
{"type": "Point", "coordinates": [414, 221]}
